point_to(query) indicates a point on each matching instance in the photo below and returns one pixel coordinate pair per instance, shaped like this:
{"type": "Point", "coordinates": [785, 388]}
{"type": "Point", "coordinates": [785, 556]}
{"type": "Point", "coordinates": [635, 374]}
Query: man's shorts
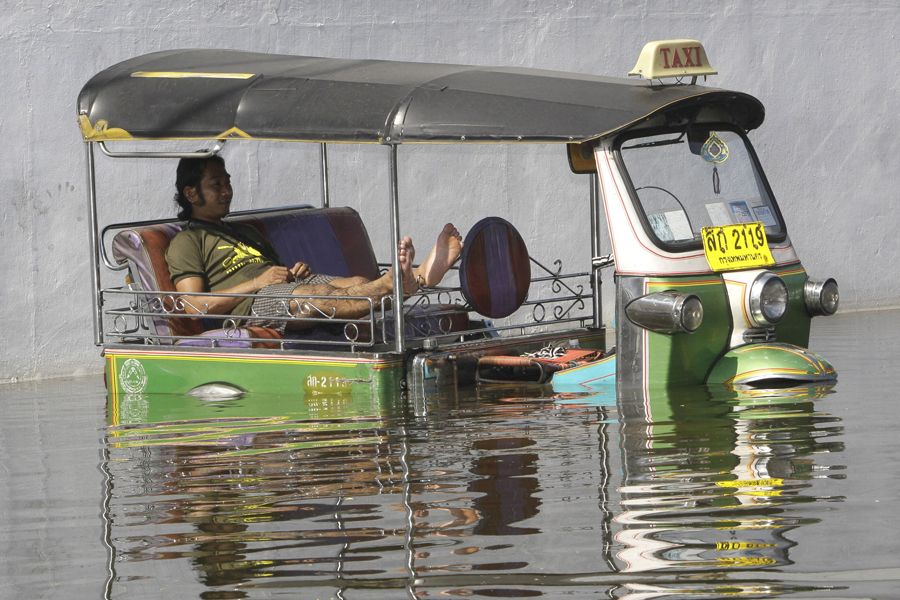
{"type": "Point", "coordinates": [268, 303]}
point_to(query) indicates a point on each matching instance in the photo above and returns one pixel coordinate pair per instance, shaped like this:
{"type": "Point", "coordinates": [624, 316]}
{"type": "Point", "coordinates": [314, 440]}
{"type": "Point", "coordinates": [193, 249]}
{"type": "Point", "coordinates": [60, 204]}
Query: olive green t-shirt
{"type": "Point", "coordinates": [222, 256]}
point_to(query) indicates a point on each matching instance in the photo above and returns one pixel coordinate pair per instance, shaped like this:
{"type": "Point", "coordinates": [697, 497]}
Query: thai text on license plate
{"type": "Point", "coordinates": [734, 247]}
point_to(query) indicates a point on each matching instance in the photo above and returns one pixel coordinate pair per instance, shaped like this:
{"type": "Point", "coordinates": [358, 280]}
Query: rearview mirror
{"type": "Point", "coordinates": [697, 136]}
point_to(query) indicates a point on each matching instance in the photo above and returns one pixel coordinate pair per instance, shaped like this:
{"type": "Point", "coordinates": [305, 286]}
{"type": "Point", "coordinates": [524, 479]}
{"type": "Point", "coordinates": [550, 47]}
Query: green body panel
{"type": "Point", "coordinates": [794, 326]}
{"type": "Point", "coordinates": [756, 363]}
{"type": "Point", "coordinates": [685, 358]}
{"type": "Point", "coordinates": [167, 372]}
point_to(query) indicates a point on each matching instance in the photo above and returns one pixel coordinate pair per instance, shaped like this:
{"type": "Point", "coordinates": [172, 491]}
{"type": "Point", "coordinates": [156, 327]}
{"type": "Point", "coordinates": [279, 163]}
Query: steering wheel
{"type": "Point", "coordinates": [674, 197]}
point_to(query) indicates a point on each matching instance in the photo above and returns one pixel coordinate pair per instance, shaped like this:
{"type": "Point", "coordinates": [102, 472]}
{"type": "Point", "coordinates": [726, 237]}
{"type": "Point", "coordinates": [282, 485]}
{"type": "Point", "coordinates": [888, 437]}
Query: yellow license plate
{"type": "Point", "coordinates": [734, 247]}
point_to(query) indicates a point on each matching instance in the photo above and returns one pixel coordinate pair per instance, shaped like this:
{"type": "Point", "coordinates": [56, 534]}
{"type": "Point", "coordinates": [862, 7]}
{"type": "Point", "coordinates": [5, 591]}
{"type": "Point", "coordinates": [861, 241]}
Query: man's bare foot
{"type": "Point", "coordinates": [445, 252]}
{"type": "Point", "coordinates": [407, 253]}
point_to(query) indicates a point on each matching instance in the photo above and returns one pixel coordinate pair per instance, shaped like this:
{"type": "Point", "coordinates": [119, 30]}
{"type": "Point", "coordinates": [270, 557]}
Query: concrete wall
{"type": "Point", "coordinates": [826, 71]}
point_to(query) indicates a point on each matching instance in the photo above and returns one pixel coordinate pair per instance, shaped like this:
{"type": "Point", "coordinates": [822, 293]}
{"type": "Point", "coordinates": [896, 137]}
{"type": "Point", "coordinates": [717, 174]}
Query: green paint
{"type": "Point", "coordinates": [794, 327]}
{"type": "Point", "coordinates": [745, 364]}
{"type": "Point", "coordinates": [685, 358]}
{"type": "Point", "coordinates": [180, 373]}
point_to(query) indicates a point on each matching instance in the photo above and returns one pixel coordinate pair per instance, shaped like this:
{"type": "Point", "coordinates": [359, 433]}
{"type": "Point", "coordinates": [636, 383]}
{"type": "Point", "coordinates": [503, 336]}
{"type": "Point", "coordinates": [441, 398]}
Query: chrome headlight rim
{"type": "Point", "coordinates": [758, 303]}
{"type": "Point", "coordinates": [666, 312]}
{"type": "Point", "coordinates": [690, 313]}
{"type": "Point", "coordinates": [815, 294]}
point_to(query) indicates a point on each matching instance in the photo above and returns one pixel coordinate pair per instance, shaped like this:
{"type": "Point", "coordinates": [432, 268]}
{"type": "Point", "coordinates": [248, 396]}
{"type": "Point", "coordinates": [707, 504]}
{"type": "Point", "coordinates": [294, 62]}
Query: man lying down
{"type": "Point", "coordinates": [210, 255]}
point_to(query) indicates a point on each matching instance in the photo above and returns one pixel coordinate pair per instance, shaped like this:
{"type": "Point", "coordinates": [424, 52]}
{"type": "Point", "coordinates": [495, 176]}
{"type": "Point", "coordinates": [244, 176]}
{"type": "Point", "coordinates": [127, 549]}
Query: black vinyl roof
{"type": "Point", "coordinates": [215, 94]}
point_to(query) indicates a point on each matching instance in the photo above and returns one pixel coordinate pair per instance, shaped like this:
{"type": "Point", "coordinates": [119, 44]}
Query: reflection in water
{"type": "Point", "coordinates": [501, 493]}
{"type": "Point", "coordinates": [712, 483]}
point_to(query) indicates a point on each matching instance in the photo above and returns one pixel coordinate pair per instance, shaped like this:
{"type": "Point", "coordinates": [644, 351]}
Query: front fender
{"type": "Point", "coordinates": [771, 365]}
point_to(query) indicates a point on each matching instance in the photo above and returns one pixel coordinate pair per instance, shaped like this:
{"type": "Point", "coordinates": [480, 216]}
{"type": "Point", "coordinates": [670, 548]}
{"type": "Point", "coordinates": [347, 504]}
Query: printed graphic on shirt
{"type": "Point", "coordinates": [241, 256]}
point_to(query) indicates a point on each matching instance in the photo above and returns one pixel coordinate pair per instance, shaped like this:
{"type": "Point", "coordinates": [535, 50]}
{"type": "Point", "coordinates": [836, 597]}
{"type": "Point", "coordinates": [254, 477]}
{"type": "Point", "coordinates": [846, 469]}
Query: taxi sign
{"type": "Point", "coordinates": [672, 58]}
{"type": "Point", "coordinates": [735, 247]}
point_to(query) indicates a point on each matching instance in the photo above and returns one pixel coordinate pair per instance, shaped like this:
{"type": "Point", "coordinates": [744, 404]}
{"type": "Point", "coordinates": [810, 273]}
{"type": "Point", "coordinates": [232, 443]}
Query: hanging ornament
{"type": "Point", "coordinates": [714, 149]}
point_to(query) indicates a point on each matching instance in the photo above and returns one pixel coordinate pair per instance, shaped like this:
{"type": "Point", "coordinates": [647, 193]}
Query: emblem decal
{"type": "Point", "coordinates": [132, 376]}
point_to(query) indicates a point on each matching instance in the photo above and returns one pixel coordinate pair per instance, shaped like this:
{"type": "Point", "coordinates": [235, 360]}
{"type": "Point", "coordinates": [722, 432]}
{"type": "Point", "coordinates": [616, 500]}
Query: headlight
{"type": "Point", "coordinates": [768, 299]}
{"type": "Point", "coordinates": [666, 312]}
{"type": "Point", "coordinates": [822, 297]}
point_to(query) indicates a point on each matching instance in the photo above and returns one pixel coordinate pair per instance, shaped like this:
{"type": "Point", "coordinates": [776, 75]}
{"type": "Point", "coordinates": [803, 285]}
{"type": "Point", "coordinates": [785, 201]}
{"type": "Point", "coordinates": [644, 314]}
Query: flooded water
{"type": "Point", "coordinates": [499, 492]}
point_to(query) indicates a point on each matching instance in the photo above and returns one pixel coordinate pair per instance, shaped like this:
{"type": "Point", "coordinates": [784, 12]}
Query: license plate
{"type": "Point", "coordinates": [735, 247]}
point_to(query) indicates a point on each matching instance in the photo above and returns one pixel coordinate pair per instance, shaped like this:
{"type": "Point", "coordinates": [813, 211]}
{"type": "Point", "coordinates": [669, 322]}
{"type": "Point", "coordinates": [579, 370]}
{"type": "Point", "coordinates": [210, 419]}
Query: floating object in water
{"type": "Point", "coordinates": [216, 391]}
{"type": "Point", "coordinates": [537, 367]}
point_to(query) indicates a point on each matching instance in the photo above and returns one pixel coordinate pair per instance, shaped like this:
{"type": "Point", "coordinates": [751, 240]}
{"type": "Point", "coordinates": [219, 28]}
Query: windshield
{"type": "Point", "coordinates": [684, 181]}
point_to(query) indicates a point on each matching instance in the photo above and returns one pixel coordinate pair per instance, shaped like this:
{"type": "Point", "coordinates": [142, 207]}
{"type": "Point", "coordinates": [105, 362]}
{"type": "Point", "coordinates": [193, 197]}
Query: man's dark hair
{"type": "Point", "coordinates": [189, 174]}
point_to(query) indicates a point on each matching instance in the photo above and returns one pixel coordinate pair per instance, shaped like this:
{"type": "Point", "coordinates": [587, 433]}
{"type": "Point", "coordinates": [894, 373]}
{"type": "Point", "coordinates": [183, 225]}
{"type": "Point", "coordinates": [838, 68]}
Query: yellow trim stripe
{"type": "Point", "coordinates": [675, 284]}
{"type": "Point", "coordinates": [234, 132]}
{"type": "Point", "coordinates": [113, 383]}
{"type": "Point", "coordinates": [101, 131]}
{"type": "Point", "coordinates": [762, 347]}
{"type": "Point", "coordinates": [742, 294]}
{"type": "Point", "coordinates": [770, 372]}
{"type": "Point", "coordinates": [191, 75]}
{"type": "Point", "coordinates": [794, 271]}
{"type": "Point", "coordinates": [256, 359]}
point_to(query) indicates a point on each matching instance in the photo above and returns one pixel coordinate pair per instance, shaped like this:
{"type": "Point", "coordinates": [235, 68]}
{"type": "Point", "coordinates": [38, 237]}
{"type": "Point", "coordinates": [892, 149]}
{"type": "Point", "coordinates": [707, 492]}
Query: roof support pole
{"type": "Point", "coordinates": [399, 342]}
{"type": "Point", "coordinates": [95, 244]}
{"type": "Point", "coordinates": [323, 155]}
{"type": "Point", "coordinates": [595, 251]}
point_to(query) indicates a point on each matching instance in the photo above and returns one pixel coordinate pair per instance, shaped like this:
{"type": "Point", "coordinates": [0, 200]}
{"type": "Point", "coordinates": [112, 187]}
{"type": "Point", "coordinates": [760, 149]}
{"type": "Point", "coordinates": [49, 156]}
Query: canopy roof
{"type": "Point", "coordinates": [218, 94]}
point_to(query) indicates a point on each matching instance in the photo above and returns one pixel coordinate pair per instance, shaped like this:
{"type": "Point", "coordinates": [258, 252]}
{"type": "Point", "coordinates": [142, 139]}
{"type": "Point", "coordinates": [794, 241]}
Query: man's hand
{"type": "Point", "coordinates": [271, 276]}
{"type": "Point", "coordinates": [299, 271]}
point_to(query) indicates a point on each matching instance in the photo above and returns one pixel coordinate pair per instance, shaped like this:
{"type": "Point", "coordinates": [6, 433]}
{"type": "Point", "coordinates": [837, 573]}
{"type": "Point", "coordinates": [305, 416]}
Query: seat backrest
{"type": "Point", "coordinates": [332, 241]}
{"type": "Point", "coordinates": [143, 249]}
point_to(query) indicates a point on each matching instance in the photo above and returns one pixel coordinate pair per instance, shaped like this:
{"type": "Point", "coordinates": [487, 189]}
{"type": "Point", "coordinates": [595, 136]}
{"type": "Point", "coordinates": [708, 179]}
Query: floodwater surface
{"type": "Point", "coordinates": [494, 492]}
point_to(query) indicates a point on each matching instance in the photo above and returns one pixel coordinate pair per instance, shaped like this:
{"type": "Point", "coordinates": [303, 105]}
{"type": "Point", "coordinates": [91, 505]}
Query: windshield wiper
{"type": "Point", "coordinates": [678, 140]}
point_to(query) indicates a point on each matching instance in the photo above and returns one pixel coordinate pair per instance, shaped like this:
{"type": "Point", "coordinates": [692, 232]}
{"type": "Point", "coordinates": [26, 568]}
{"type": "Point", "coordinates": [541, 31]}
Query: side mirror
{"type": "Point", "coordinates": [581, 157]}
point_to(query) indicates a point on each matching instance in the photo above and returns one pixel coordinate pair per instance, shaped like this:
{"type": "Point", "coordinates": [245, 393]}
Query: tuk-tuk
{"type": "Point", "coordinates": [708, 287]}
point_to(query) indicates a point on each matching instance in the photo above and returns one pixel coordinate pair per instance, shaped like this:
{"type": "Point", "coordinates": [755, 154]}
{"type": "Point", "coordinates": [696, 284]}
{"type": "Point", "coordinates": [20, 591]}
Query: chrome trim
{"type": "Point", "coordinates": [150, 154]}
{"type": "Point", "coordinates": [663, 312]}
{"type": "Point", "coordinates": [323, 157]}
{"type": "Point", "coordinates": [629, 337]}
{"type": "Point", "coordinates": [596, 280]}
{"type": "Point", "coordinates": [812, 296]}
{"type": "Point", "coordinates": [95, 245]}
{"type": "Point", "coordinates": [132, 313]}
{"type": "Point", "coordinates": [399, 344]}
{"type": "Point", "coordinates": [761, 334]}
{"type": "Point", "coordinates": [754, 299]}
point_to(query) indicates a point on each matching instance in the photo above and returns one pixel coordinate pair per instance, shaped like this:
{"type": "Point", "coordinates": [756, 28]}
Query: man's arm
{"type": "Point", "coordinates": [218, 305]}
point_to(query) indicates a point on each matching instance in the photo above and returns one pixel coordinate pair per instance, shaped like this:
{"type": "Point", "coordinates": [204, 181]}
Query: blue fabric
{"type": "Point", "coordinates": [307, 238]}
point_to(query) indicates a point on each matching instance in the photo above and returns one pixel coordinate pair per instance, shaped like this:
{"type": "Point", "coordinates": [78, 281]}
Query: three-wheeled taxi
{"type": "Point", "coordinates": [708, 286]}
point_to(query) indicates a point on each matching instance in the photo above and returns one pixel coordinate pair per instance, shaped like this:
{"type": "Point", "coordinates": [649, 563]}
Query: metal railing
{"type": "Point", "coordinates": [555, 300]}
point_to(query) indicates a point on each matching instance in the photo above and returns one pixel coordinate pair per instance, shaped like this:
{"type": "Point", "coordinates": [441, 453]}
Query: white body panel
{"type": "Point", "coordinates": [738, 284]}
{"type": "Point", "coordinates": [633, 250]}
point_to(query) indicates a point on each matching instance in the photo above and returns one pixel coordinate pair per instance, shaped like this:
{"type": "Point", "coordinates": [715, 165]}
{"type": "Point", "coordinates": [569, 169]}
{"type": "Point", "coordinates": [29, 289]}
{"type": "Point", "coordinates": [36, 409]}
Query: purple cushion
{"type": "Point", "coordinates": [331, 241]}
{"type": "Point", "coordinates": [219, 338]}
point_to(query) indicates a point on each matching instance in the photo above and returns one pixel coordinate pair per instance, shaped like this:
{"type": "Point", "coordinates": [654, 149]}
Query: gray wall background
{"type": "Point", "coordinates": [826, 71]}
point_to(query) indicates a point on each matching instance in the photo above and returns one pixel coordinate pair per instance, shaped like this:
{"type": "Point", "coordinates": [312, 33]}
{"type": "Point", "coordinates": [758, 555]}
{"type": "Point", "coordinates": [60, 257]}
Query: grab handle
{"type": "Point", "coordinates": [152, 154]}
